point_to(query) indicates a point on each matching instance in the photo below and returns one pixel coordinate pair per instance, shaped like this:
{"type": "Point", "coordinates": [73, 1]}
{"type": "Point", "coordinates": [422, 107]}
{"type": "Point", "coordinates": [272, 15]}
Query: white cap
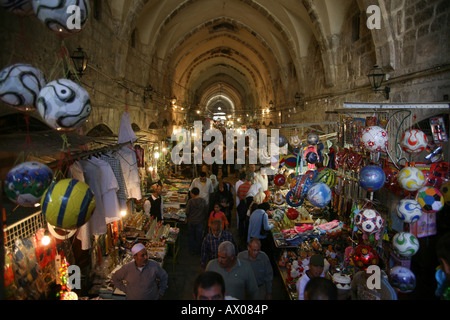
{"type": "Point", "coordinates": [136, 248]}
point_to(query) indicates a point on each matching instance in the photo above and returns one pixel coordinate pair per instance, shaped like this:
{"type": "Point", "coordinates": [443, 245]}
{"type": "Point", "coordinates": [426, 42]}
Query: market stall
{"type": "Point", "coordinates": [367, 195]}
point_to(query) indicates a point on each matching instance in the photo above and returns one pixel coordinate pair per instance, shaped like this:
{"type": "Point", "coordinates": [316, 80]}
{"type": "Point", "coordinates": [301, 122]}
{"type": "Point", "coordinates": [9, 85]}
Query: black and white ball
{"type": "Point", "coordinates": [19, 7]}
{"type": "Point", "coordinates": [20, 85]}
{"type": "Point", "coordinates": [64, 105]}
{"type": "Point", "coordinates": [62, 16]}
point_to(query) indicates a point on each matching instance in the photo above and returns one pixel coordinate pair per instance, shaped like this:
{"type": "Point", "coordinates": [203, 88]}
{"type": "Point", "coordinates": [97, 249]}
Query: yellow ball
{"type": "Point", "coordinates": [68, 204]}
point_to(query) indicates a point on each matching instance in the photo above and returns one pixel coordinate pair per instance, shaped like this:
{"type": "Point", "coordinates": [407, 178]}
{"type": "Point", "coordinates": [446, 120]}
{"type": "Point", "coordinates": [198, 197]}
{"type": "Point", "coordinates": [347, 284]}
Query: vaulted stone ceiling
{"type": "Point", "coordinates": [236, 54]}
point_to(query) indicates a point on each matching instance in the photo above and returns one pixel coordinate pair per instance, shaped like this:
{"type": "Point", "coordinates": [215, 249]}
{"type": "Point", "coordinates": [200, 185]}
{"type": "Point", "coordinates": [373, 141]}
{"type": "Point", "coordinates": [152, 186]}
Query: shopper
{"type": "Point", "coordinates": [320, 289]}
{"type": "Point", "coordinates": [209, 285]}
{"type": "Point", "coordinates": [212, 241]}
{"type": "Point", "coordinates": [316, 267]}
{"type": "Point", "coordinates": [238, 275]}
{"type": "Point", "coordinates": [259, 222]}
{"type": "Point", "coordinates": [217, 214]}
{"type": "Point", "coordinates": [241, 210]}
{"type": "Point", "coordinates": [261, 266]}
{"type": "Point", "coordinates": [196, 215]}
{"type": "Point", "coordinates": [145, 279]}
{"type": "Point", "coordinates": [204, 185]}
{"type": "Point", "coordinates": [156, 202]}
{"type": "Point", "coordinates": [224, 198]}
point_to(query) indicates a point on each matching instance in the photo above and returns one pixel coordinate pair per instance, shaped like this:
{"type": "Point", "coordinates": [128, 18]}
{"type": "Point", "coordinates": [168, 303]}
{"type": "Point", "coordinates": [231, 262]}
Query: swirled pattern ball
{"type": "Point", "coordinates": [409, 210]}
{"type": "Point", "coordinates": [62, 16]}
{"type": "Point", "coordinates": [64, 105]}
{"type": "Point", "coordinates": [414, 141]}
{"type": "Point", "coordinates": [20, 85]}
{"type": "Point", "coordinates": [410, 178]}
{"type": "Point", "coordinates": [405, 244]}
{"type": "Point", "coordinates": [26, 183]}
{"type": "Point", "coordinates": [312, 138]}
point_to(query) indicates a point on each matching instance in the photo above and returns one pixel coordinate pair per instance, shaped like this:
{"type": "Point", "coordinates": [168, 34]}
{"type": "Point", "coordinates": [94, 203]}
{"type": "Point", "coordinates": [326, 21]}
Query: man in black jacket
{"type": "Point", "coordinates": [196, 215]}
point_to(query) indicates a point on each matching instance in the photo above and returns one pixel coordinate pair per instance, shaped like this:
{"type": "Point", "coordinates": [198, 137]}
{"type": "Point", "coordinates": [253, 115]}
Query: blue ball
{"type": "Point", "coordinates": [319, 195]}
{"type": "Point", "coordinates": [372, 178]}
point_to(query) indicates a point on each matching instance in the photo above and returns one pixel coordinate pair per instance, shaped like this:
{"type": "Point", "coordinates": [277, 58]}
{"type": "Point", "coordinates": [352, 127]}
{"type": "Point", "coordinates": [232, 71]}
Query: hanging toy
{"type": "Point", "coordinates": [295, 140]}
{"type": "Point", "coordinates": [20, 85]}
{"type": "Point", "coordinates": [299, 187]}
{"type": "Point", "coordinates": [409, 210]}
{"type": "Point", "coordinates": [430, 199]}
{"type": "Point", "coordinates": [64, 105]}
{"type": "Point", "coordinates": [405, 244]}
{"type": "Point", "coordinates": [26, 183]}
{"type": "Point", "coordinates": [402, 279]}
{"type": "Point", "coordinates": [369, 221]}
{"type": "Point", "coordinates": [319, 195]}
{"type": "Point", "coordinates": [63, 16]}
{"type": "Point", "coordinates": [411, 178]}
{"type": "Point", "coordinates": [413, 141]}
{"type": "Point", "coordinates": [372, 178]}
{"type": "Point", "coordinates": [374, 139]}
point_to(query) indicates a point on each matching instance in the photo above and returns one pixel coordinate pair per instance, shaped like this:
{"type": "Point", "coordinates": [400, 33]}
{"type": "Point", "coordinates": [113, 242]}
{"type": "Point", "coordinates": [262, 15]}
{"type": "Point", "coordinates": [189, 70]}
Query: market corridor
{"type": "Point", "coordinates": [187, 267]}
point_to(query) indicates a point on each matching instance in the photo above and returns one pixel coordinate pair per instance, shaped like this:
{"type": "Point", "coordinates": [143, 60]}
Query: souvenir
{"type": "Point", "coordinates": [68, 204]}
{"type": "Point", "coordinates": [364, 256]}
{"type": "Point", "coordinates": [312, 138]}
{"type": "Point", "coordinates": [327, 176]}
{"type": "Point", "coordinates": [413, 141]}
{"type": "Point", "coordinates": [374, 139]}
{"type": "Point", "coordinates": [409, 210]}
{"type": "Point", "coordinates": [63, 16]}
{"type": "Point", "coordinates": [372, 178]}
{"type": "Point", "coordinates": [405, 244]}
{"type": "Point", "coordinates": [20, 85]}
{"type": "Point", "coordinates": [64, 105]}
{"type": "Point", "coordinates": [26, 183]}
{"type": "Point", "coordinates": [411, 178]}
{"type": "Point", "coordinates": [430, 199]}
{"type": "Point", "coordinates": [319, 195]}
{"type": "Point", "coordinates": [402, 279]}
{"type": "Point", "coordinates": [368, 221]}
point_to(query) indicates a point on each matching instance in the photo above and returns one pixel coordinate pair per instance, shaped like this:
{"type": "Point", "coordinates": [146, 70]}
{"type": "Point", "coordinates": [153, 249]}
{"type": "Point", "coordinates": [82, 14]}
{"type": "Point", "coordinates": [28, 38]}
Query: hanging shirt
{"type": "Point", "coordinates": [128, 162]}
{"type": "Point", "coordinates": [113, 161]}
{"type": "Point", "coordinates": [126, 133]}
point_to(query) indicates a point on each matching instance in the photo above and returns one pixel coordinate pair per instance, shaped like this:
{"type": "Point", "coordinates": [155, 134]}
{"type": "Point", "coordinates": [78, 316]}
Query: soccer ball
{"type": "Point", "coordinates": [430, 199]}
{"type": "Point", "coordinates": [327, 176]}
{"type": "Point", "coordinates": [414, 141]}
{"type": "Point", "coordinates": [364, 256]}
{"type": "Point", "coordinates": [64, 105]}
{"type": "Point", "coordinates": [409, 210]}
{"type": "Point", "coordinates": [68, 204]}
{"type": "Point", "coordinates": [319, 195]}
{"type": "Point", "coordinates": [372, 178]}
{"type": "Point", "coordinates": [402, 279]}
{"type": "Point", "coordinates": [19, 7]}
{"type": "Point", "coordinates": [405, 244]}
{"type": "Point", "coordinates": [292, 213]}
{"type": "Point", "coordinates": [26, 183]}
{"type": "Point", "coordinates": [374, 139]}
{"type": "Point", "coordinates": [20, 84]}
{"type": "Point", "coordinates": [411, 178]}
{"type": "Point", "coordinates": [368, 221]}
{"type": "Point", "coordinates": [63, 16]}
{"type": "Point", "coordinates": [278, 215]}
{"type": "Point", "coordinates": [445, 191]}
{"type": "Point", "coordinates": [279, 180]}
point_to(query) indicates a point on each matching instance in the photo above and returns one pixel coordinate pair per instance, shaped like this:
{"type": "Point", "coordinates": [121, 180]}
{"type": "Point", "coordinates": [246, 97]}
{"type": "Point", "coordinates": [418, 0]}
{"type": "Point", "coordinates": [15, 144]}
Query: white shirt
{"type": "Point", "coordinates": [205, 188]}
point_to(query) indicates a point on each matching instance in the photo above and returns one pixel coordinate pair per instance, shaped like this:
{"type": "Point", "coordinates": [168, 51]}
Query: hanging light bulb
{"type": "Point", "coordinates": [123, 213]}
{"type": "Point", "coordinates": [45, 241]}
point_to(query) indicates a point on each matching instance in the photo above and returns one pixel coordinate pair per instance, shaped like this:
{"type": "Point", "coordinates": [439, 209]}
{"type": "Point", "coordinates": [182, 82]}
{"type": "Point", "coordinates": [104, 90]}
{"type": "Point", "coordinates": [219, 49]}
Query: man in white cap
{"type": "Point", "coordinates": [141, 276]}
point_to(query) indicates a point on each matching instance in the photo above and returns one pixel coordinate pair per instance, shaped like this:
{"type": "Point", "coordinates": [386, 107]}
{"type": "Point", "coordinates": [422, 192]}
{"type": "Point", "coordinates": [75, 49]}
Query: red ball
{"type": "Point", "coordinates": [279, 180]}
{"type": "Point", "coordinates": [292, 213]}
